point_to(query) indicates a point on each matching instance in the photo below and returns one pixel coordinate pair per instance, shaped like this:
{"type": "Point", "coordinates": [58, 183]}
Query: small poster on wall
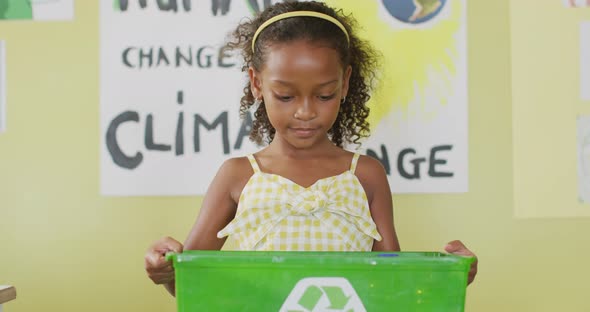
{"type": "Point", "coordinates": [550, 117]}
{"type": "Point", "coordinates": [584, 158]}
{"type": "Point", "coordinates": [2, 87]}
{"type": "Point", "coordinates": [576, 3]}
{"type": "Point", "coordinates": [585, 60]}
{"type": "Point", "coordinates": [37, 10]}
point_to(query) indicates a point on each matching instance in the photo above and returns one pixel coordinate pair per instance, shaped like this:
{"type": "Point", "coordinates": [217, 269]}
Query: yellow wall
{"type": "Point", "coordinates": [66, 248]}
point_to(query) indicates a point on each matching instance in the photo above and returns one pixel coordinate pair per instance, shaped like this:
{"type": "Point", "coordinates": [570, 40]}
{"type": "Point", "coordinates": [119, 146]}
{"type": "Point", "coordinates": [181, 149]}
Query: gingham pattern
{"type": "Point", "coordinates": [274, 213]}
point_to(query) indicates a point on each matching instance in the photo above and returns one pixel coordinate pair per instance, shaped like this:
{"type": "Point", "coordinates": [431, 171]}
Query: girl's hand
{"type": "Point", "coordinates": [456, 247]}
{"type": "Point", "coordinates": [158, 269]}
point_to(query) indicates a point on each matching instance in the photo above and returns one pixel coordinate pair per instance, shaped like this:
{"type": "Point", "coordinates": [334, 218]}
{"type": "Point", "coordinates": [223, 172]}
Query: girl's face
{"type": "Point", "coordinates": [301, 84]}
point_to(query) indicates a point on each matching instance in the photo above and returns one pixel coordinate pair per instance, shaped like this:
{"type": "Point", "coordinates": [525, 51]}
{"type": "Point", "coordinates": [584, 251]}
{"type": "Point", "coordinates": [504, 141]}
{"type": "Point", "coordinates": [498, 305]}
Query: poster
{"type": "Point", "coordinates": [170, 95]}
{"type": "Point", "coordinates": [548, 109]}
{"type": "Point", "coordinates": [576, 3]}
{"type": "Point", "coordinates": [419, 113]}
{"type": "Point", "coordinates": [37, 10]}
{"type": "Point", "coordinates": [585, 60]}
{"type": "Point", "coordinates": [583, 123]}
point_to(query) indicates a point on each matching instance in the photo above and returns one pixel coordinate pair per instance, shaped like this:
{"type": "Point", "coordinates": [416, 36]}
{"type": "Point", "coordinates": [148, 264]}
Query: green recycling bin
{"type": "Point", "coordinates": [320, 281]}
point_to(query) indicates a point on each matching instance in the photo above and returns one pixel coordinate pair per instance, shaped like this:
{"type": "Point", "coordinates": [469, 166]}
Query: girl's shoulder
{"type": "Point", "coordinates": [237, 167]}
{"type": "Point", "coordinates": [371, 174]}
{"type": "Point", "coordinates": [235, 172]}
{"type": "Point", "coordinates": [369, 166]}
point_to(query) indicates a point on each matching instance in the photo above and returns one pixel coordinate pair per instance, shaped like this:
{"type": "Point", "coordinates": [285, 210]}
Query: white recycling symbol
{"type": "Point", "coordinates": [323, 294]}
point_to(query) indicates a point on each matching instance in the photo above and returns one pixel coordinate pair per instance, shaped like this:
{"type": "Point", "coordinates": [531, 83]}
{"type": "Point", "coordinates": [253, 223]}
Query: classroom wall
{"type": "Point", "coordinates": [66, 248]}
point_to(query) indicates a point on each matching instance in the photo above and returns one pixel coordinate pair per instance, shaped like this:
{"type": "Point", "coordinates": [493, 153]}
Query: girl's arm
{"type": "Point", "coordinates": [372, 175]}
{"type": "Point", "coordinates": [219, 205]}
{"type": "Point", "coordinates": [218, 208]}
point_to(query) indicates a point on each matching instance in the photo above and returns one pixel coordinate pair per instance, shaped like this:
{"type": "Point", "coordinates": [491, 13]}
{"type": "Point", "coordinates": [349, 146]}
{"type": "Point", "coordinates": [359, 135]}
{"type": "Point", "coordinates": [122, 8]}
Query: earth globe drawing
{"type": "Point", "coordinates": [414, 11]}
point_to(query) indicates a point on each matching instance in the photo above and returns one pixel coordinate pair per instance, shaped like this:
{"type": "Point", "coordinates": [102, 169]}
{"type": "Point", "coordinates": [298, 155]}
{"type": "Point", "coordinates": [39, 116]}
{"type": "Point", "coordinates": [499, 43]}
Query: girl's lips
{"type": "Point", "coordinates": [303, 132]}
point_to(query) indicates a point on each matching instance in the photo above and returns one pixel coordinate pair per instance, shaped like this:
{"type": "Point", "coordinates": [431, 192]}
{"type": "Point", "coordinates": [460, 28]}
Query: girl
{"type": "Point", "coordinates": [310, 80]}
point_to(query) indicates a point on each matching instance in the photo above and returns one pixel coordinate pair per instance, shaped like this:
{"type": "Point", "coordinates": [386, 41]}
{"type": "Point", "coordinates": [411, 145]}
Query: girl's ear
{"type": "Point", "coordinates": [255, 84]}
{"type": "Point", "coordinates": [346, 80]}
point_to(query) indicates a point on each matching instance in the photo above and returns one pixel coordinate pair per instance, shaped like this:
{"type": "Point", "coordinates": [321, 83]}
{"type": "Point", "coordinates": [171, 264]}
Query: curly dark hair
{"type": "Point", "coordinates": [351, 125]}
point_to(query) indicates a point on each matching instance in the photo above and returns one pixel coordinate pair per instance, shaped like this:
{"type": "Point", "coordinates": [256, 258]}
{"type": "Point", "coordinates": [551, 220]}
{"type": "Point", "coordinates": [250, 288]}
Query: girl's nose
{"type": "Point", "coordinates": [305, 110]}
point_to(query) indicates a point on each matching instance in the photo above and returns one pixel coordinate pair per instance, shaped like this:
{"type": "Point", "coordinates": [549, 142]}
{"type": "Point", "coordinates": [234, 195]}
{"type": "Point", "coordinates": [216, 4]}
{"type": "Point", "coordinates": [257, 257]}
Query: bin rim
{"type": "Point", "coordinates": [372, 258]}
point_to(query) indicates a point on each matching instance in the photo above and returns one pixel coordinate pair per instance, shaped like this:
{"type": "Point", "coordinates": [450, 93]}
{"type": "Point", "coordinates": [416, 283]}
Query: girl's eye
{"type": "Point", "coordinates": [284, 98]}
{"type": "Point", "coordinates": [326, 97]}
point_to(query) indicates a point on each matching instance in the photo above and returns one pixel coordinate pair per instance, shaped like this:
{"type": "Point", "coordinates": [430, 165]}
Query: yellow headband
{"type": "Point", "coordinates": [299, 13]}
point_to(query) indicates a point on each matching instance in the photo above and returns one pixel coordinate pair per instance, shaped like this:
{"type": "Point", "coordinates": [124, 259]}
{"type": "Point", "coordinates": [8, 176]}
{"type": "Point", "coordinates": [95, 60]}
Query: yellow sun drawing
{"type": "Point", "coordinates": [418, 62]}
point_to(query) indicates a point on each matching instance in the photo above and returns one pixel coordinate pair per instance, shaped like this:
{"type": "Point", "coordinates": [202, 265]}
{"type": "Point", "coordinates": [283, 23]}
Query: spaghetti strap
{"type": "Point", "coordinates": [253, 163]}
{"type": "Point", "coordinates": [355, 159]}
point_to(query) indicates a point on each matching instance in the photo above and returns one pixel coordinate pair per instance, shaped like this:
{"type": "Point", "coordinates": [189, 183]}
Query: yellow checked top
{"type": "Point", "coordinates": [275, 213]}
